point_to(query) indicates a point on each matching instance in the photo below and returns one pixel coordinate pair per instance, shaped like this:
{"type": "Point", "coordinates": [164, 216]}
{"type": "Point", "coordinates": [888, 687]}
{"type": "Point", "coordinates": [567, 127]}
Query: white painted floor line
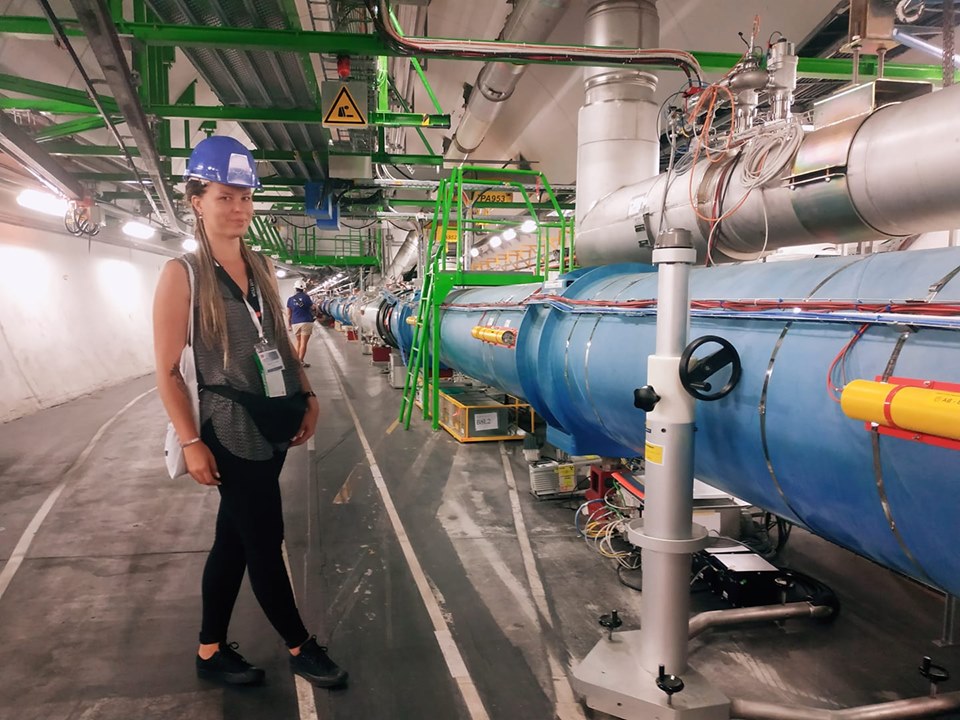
{"type": "Point", "coordinates": [567, 707]}
{"type": "Point", "coordinates": [448, 646]}
{"type": "Point", "coordinates": [305, 699]}
{"type": "Point", "coordinates": [20, 550]}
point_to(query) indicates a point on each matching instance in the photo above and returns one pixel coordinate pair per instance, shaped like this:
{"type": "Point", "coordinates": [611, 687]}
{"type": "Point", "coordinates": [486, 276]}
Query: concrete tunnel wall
{"type": "Point", "coordinates": [75, 314]}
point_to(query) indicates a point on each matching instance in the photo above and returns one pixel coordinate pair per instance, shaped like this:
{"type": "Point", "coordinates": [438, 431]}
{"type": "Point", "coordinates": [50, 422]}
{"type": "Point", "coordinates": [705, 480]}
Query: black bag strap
{"type": "Point", "coordinates": [230, 393]}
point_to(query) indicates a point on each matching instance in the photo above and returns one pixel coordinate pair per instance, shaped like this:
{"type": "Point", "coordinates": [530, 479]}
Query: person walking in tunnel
{"type": "Point", "coordinates": [255, 403]}
{"type": "Point", "coordinates": [300, 318]}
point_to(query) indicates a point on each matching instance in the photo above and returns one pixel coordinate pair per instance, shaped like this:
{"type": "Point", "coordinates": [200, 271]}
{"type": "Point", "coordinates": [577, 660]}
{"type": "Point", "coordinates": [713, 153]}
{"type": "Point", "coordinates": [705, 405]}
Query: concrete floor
{"type": "Point", "coordinates": [99, 620]}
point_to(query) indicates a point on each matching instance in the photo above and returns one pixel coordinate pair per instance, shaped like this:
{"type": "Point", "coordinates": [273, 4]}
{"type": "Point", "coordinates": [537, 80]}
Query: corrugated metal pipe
{"type": "Point", "coordinates": [523, 52]}
{"type": "Point", "coordinates": [404, 259]}
{"type": "Point", "coordinates": [617, 143]}
{"type": "Point", "coordinates": [530, 21]}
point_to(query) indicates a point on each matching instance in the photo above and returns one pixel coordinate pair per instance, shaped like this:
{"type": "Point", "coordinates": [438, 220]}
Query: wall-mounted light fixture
{"type": "Point", "coordinates": [139, 230]}
{"type": "Point", "coordinates": [43, 202]}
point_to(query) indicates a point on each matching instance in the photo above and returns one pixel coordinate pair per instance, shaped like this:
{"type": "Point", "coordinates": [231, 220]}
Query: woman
{"type": "Point", "coordinates": [239, 321]}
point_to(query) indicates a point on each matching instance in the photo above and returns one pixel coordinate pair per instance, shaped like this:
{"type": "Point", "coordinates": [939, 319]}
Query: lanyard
{"type": "Point", "coordinates": [252, 291]}
{"type": "Point", "coordinates": [253, 316]}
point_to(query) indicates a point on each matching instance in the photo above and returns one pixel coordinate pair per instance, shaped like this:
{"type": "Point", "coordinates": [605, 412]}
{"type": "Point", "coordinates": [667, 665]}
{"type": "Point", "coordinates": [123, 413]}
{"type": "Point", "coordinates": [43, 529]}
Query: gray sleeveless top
{"type": "Point", "coordinates": [231, 422]}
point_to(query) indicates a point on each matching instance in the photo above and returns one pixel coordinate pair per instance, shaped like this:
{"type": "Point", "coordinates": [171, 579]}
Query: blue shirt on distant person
{"type": "Point", "coordinates": [301, 308]}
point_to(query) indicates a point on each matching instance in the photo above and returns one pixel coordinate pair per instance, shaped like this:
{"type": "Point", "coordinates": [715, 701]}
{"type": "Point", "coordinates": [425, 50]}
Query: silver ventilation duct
{"type": "Point", "coordinates": [404, 259]}
{"type": "Point", "coordinates": [530, 21]}
{"type": "Point", "coordinates": [617, 142]}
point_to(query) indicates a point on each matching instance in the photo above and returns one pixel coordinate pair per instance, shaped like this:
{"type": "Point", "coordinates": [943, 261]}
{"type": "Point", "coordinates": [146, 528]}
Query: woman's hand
{"type": "Point", "coordinates": [201, 464]}
{"type": "Point", "coordinates": [309, 424]}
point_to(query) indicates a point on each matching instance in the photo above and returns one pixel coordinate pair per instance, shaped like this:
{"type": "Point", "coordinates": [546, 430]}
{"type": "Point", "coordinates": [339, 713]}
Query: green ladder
{"type": "Point", "coordinates": [427, 327]}
{"type": "Point", "coordinates": [439, 279]}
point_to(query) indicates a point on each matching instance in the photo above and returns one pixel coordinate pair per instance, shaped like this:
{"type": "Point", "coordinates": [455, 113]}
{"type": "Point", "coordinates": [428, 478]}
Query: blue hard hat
{"type": "Point", "coordinates": [222, 159]}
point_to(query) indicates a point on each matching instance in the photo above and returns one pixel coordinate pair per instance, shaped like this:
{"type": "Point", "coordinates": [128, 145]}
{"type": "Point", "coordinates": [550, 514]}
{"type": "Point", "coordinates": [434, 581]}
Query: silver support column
{"type": "Point", "coordinates": [620, 674]}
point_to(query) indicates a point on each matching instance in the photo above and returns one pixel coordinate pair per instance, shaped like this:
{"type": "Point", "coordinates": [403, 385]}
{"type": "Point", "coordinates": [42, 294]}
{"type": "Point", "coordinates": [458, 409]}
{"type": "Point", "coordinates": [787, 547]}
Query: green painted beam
{"type": "Point", "coordinates": [398, 119]}
{"type": "Point", "coordinates": [49, 91]}
{"type": "Point", "coordinates": [127, 177]}
{"type": "Point", "coordinates": [76, 149]}
{"type": "Point", "coordinates": [487, 278]}
{"type": "Point", "coordinates": [240, 114]}
{"type": "Point", "coordinates": [217, 112]}
{"type": "Point", "coordinates": [70, 128]}
{"type": "Point", "coordinates": [409, 202]}
{"type": "Point", "coordinates": [302, 41]}
{"type": "Point", "coordinates": [56, 107]}
{"type": "Point", "coordinates": [287, 200]}
{"type": "Point", "coordinates": [228, 38]}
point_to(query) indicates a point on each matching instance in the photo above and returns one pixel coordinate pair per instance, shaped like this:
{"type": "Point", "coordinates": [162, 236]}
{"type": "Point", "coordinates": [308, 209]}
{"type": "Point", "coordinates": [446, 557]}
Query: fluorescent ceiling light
{"type": "Point", "coordinates": [139, 230]}
{"type": "Point", "coordinates": [190, 244]}
{"type": "Point", "coordinates": [43, 202]}
{"type": "Point", "coordinates": [281, 273]}
{"type": "Point", "coordinates": [495, 241]}
{"type": "Point", "coordinates": [509, 234]}
{"type": "Point", "coordinates": [528, 226]}
{"type": "Point", "coordinates": [474, 252]}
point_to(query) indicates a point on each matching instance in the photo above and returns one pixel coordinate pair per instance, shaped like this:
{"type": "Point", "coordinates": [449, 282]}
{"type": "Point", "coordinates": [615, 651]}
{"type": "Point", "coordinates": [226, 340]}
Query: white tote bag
{"type": "Point", "coordinates": [176, 463]}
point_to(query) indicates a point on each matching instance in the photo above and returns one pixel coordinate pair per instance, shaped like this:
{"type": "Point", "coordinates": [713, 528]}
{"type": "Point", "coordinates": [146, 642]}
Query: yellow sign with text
{"type": "Point", "coordinates": [653, 453]}
{"type": "Point", "coordinates": [493, 196]}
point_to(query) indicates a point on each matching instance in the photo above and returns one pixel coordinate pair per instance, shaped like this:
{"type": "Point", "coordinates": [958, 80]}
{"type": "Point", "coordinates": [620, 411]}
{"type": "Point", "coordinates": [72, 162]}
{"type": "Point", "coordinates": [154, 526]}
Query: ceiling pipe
{"type": "Point", "coordinates": [912, 41]}
{"type": "Point", "coordinates": [405, 257]}
{"type": "Point", "coordinates": [101, 33]}
{"type": "Point", "coordinates": [522, 52]}
{"type": "Point", "coordinates": [617, 140]}
{"type": "Point", "coordinates": [530, 21]}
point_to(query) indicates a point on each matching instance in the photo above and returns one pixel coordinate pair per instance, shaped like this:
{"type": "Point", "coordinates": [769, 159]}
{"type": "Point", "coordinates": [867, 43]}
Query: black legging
{"type": "Point", "coordinates": [248, 537]}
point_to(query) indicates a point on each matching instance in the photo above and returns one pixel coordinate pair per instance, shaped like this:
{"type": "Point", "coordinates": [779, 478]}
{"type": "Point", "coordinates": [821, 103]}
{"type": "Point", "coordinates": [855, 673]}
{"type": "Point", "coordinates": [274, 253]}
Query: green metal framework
{"type": "Point", "coordinates": [447, 267]}
{"type": "Point", "coordinates": [305, 245]}
{"type": "Point", "coordinates": [304, 41]}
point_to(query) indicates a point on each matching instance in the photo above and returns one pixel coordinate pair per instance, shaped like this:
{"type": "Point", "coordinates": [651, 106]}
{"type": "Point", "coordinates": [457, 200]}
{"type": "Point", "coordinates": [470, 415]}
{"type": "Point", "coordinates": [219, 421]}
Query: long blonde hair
{"type": "Point", "coordinates": [213, 313]}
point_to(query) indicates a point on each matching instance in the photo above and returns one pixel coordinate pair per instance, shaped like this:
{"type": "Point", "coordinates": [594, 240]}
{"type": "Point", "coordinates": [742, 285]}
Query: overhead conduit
{"type": "Point", "coordinates": [530, 21]}
{"type": "Point", "coordinates": [525, 52]}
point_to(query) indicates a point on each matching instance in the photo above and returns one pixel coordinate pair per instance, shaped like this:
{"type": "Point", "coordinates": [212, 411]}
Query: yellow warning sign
{"type": "Point", "coordinates": [345, 111]}
{"type": "Point", "coordinates": [653, 453]}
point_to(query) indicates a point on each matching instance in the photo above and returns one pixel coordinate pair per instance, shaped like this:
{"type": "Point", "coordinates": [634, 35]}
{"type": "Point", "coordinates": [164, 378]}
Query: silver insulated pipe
{"type": "Point", "coordinates": [894, 172]}
{"type": "Point", "coordinates": [617, 142]}
{"type": "Point", "coordinates": [404, 259]}
{"type": "Point", "coordinates": [530, 21]}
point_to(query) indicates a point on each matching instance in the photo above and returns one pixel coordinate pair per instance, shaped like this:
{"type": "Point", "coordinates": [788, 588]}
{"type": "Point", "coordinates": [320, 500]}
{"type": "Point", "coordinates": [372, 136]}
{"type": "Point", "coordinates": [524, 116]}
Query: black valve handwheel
{"type": "Point", "coordinates": [694, 372]}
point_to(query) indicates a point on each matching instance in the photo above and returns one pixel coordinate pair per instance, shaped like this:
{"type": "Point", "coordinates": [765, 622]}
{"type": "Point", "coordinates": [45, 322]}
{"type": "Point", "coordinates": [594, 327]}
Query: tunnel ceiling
{"type": "Point", "coordinates": [244, 67]}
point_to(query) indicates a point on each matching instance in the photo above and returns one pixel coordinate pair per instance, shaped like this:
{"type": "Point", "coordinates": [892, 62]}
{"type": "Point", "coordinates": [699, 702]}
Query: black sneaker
{"type": "Point", "coordinates": [315, 665]}
{"type": "Point", "coordinates": [228, 666]}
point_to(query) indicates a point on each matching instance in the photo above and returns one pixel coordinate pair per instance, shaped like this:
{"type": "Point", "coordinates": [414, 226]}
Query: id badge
{"type": "Point", "coordinates": [270, 364]}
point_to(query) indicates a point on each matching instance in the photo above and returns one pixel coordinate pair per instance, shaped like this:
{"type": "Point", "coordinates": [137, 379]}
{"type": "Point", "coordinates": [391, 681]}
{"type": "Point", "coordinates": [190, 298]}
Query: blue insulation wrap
{"type": "Point", "coordinates": [778, 440]}
{"type": "Point", "coordinates": [473, 357]}
{"type": "Point", "coordinates": [339, 310]}
{"type": "Point", "coordinates": [403, 331]}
